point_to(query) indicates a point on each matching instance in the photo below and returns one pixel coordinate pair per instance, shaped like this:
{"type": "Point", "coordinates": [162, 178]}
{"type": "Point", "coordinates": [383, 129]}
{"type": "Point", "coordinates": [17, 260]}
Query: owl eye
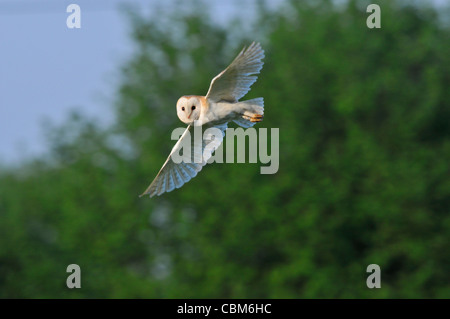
{"type": "Point", "coordinates": [182, 108]}
{"type": "Point", "coordinates": [193, 107]}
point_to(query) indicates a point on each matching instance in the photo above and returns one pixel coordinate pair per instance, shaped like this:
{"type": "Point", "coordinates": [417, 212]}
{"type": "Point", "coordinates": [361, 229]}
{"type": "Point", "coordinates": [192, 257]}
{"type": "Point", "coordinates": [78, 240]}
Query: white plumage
{"type": "Point", "coordinates": [220, 106]}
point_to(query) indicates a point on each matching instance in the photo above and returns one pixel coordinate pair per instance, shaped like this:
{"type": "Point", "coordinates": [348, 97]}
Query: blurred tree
{"type": "Point", "coordinates": [364, 176]}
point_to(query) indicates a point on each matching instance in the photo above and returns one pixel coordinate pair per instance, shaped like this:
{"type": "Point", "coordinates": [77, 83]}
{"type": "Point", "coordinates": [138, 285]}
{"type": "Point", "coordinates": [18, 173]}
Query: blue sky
{"type": "Point", "coordinates": [47, 69]}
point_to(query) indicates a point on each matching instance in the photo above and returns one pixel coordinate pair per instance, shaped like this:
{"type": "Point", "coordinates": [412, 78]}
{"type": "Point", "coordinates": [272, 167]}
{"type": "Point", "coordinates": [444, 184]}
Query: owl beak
{"type": "Point", "coordinates": [189, 116]}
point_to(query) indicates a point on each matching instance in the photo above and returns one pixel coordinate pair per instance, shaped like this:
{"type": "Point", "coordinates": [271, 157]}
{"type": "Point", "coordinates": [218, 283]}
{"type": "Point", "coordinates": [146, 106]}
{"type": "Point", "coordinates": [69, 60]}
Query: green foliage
{"type": "Point", "coordinates": [364, 172]}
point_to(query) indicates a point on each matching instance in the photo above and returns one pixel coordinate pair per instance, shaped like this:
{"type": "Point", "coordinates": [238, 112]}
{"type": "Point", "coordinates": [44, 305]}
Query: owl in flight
{"type": "Point", "coordinates": [220, 106]}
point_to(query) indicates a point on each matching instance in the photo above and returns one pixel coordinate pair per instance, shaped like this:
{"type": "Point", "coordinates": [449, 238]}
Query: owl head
{"type": "Point", "coordinates": [188, 108]}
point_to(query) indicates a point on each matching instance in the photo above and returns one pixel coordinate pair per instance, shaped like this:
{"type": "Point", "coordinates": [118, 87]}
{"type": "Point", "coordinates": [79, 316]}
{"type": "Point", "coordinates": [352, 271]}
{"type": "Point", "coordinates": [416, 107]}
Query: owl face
{"type": "Point", "coordinates": [188, 108]}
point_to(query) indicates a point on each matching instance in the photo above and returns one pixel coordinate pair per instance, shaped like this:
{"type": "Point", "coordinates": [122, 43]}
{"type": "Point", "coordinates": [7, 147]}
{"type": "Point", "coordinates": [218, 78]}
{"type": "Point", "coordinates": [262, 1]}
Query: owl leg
{"type": "Point", "coordinates": [253, 117]}
{"type": "Point", "coordinates": [251, 110]}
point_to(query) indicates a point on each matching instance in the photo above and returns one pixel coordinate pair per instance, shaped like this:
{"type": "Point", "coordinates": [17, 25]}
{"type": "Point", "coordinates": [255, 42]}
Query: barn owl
{"type": "Point", "coordinates": [220, 106]}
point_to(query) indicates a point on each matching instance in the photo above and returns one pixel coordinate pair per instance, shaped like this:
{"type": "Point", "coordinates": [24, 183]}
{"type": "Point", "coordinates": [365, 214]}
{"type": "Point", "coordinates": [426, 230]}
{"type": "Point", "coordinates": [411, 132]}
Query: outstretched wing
{"type": "Point", "coordinates": [235, 81]}
{"type": "Point", "coordinates": [180, 169]}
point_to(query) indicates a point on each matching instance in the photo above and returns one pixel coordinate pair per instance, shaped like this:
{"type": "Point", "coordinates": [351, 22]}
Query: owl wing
{"type": "Point", "coordinates": [174, 175]}
{"type": "Point", "coordinates": [234, 82]}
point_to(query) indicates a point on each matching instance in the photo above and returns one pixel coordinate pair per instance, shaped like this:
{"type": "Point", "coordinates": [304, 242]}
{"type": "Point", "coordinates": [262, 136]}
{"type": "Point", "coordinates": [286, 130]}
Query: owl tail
{"type": "Point", "coordinates": [252, 112]}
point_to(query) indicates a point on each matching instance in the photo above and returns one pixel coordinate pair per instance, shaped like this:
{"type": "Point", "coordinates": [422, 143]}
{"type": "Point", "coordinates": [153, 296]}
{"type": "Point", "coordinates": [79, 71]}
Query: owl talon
{"type": "Point", "coordinates": [254, 118]}
{"type": "Point", "coordinates": [257, 118]}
